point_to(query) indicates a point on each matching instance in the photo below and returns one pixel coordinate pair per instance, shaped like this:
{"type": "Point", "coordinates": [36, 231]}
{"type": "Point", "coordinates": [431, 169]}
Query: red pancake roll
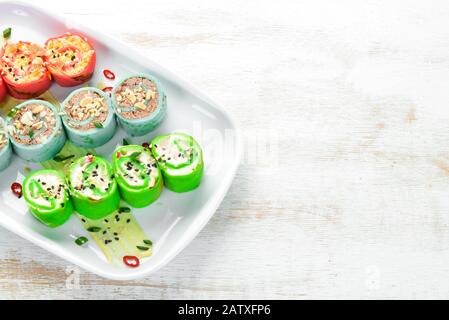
{"type": "Point", "coordinates": [2, 90]}
{"type": "Point", "coordinates": [23, 70]}
{"type": "Point", "coordinates": [70, 59]}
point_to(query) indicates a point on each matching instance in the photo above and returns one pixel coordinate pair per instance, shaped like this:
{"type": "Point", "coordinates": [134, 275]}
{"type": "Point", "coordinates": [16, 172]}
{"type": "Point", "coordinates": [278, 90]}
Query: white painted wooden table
{"type": "Point", "coordinates": [346, 194]}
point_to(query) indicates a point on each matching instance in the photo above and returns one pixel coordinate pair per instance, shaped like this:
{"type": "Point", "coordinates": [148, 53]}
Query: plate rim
{"type": "Point", "coordinates": [210, 207]}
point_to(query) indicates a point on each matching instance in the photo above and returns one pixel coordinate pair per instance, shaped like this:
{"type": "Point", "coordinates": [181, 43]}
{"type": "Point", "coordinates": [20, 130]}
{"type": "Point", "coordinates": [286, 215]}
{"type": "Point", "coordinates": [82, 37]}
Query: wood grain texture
{"type": "Point", "coordinates": [347, 195]}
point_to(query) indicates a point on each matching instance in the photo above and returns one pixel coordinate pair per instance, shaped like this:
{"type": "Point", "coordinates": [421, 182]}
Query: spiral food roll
{"type": "Point", "coordinates": [138, 175]}
{"type": "Point", "coordinates": [139, 103]}
{"type": "Point", "coordinates": [35, 130]}
{"type": "Point", "coordinates": [71, 59]}
{"type": "Point", "coordinates": [24, 70]}
{"type": "Point", "coordinates": [45, 192]}
{"type": "Point", "coordinates": [88, 117]}
{"type": "Point", "coordinates": [93, 187]}
{"type": "Point", "coordinates": [180, 159]}
{"type": "Point", "coordinates": [3, 90]}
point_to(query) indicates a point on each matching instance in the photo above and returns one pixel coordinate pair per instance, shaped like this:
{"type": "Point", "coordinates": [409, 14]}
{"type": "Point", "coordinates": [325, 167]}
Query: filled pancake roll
{"type": "Point", "coordinates": [46, 194]}
{"type": "Point", "coordinates": [93, 187]}
{"type": "Point", "coordinates": [88, 117]}
{"type": "Point", "coordinates": [138, 176]}
{"type": "Point", "coordinates": [180, 159]}
{"type": "Point", "coordinates": [3, 90]}
{"type": "Point", "coordinates": [35, 130]}
{"type": "Point", "coordinates": [139, 103]}
{"type": "Point", "coordinates": [71, 59]}
{"type": "Point", "coordinates": [5, 147]}
{"type": "Point", "coordinates": [24, 70]}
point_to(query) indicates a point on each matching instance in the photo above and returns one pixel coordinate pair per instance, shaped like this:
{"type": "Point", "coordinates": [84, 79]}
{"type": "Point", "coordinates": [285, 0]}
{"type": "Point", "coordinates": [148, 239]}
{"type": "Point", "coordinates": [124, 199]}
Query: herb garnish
{"type": "Point", "coordinates": [98, 125]}
{"type": "Point", "coordinates": [148, 242]}
{"type": "Point", "coordinates": [81, 240]}
{"type": "Point", "coordinates": [62, 158]}
{"type": "Point", "coordinates": [125, 142]}
{"type": "Point", "coordinates": [93, 229]}
{"type": "Point", "coordinates": [7, 33]}
{"type": "Point", "coordinates": [124, 209]}
{"type": "Point", "coordinates": [142, 248]}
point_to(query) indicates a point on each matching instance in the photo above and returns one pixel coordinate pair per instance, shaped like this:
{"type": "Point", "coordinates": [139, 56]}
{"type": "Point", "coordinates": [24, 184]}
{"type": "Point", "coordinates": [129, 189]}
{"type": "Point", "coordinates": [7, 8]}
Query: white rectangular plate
{"type": "Point", "coordinates": [175, 219]}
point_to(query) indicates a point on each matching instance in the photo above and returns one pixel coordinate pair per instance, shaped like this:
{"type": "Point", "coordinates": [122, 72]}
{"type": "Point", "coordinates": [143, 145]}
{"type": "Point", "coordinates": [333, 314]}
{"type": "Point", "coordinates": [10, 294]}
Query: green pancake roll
{"type": "Point", "coordinates": [180, 159]}
{"type": "Point", "coordinates": [138, 176]}
{"type": "Point", "coordinates": [93, 187]}
{"type": "Point", "coordinates": [46, 194]}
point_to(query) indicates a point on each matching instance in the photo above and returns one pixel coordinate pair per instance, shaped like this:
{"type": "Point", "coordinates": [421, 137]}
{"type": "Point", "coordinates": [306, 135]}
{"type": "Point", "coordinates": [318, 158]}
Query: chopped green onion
{"type": "Point", "coordinates": [134, 155]}
{"type": "Point", "coordinates": [12, 112]}
{"type": "Point", "coordinates": [148, 242]}
{"type": "Point", "coordinates": [61, 158]}
{"type": "Point", "coordinates": [98, 125]}
{"type": "Point", "coordinates": [93, 229]}
{"type": "Point", "coordinates": [81, 240]}
{"type": "Point", "coordinates": [124, 209]}
{"type": "Point", "coordinates": [7, 33]}
{"type": "Point", "coordinates": [125, 142]}
{"type": "Point", "coordinates": [31, 134]}
{"type": "Point", "coordinates": [142, 248]}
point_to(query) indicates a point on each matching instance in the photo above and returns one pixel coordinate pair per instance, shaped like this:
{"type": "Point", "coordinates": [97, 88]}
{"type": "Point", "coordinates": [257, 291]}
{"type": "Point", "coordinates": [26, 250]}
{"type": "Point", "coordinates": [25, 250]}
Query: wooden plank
{"type": "Point", "coordinates": [351, 202]}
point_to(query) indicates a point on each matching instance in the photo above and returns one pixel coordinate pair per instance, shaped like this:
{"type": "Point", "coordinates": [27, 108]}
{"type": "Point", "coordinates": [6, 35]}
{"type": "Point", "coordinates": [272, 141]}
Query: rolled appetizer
{"type": "Point", "coordinates": [5, 147]}
{"type": "Point", "coordinates": [139, 103]}
{"type": "Point", "coordinates": [93, 187]}
{"type": "Point", "coordinates": [24, 70]}
{"type": "Point", "coordinates": [138, 176]}
{"type": "Point", "coordinates": [35, 130]}
{"type": "Point", "coordinates": [3, 90]}
{"type": "Point", "coordinates": [71, 59]}
{"type": "Point", "coordinates": [180, 159]}
{"type": "Point", "coordinates": [45, 192]}
{"type": "Point", "coordinates": [88, 117]}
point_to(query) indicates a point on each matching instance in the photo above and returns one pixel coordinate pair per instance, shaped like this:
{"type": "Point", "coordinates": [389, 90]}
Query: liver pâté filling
{"type": "Point", "coordinates": [85, 110]}
{"type": "Point", "coordinates": [137, 98]}
{"type": "Point", "coordinates": [32, 124]}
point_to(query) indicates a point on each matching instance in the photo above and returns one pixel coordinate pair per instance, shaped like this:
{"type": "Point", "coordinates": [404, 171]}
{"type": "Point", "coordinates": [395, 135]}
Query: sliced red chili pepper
{"type": "Point", "coordinates": [89, 158]}
{"type": "Point", "coordinates": [146, 145]}
{"type": "Point", "coordinates": [107, 89]}
{"type": "Point", "coordinates": [131, 261]}
{"type": "Point", "coordinates": [16, 188]}
{"type": "Point", "coordinates": [109, 74]}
